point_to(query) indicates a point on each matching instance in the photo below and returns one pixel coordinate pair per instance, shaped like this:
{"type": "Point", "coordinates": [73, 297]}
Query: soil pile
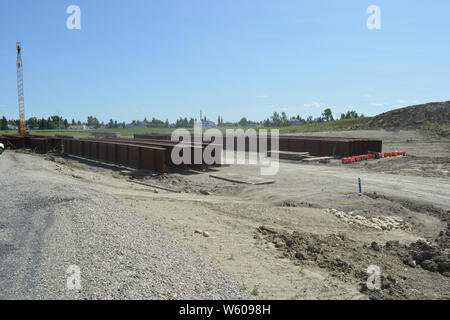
{"type": "Point", "coordinates": [413, 117]}
{"type": "Point", "coordinates": [349, 260]}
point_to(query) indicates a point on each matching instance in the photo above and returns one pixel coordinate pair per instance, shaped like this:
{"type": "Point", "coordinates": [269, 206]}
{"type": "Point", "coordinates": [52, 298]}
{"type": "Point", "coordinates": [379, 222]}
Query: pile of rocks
{"type": "Point", "coordinates": [378, 223]}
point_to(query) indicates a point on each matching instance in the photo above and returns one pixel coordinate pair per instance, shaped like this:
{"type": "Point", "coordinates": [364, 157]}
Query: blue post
{"type": "Point", "coordinates": [359, 184]}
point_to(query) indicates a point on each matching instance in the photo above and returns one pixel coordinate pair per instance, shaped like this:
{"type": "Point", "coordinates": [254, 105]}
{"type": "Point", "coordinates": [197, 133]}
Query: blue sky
{"type": "Point", "coordinates": [165, 59]}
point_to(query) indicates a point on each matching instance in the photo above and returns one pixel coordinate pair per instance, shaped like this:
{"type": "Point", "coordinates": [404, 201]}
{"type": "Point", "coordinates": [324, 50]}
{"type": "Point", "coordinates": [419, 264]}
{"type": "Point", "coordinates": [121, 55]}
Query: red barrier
{"type": "Point", "coordinates": [348, 160]}
{"type": "Point", "coordinates": [372, 156]}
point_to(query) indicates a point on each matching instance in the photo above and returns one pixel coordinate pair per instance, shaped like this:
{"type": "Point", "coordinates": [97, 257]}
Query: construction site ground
{"type": "Point", "coordinates": [279, 241]}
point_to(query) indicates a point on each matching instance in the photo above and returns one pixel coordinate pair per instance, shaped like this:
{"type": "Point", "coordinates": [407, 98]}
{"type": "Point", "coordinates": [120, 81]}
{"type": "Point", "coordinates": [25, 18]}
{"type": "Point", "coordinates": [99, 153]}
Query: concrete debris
{"type": "Point", "coordinates": [203, 233]}
{"type": "Point", "coordinates": [382, 223]}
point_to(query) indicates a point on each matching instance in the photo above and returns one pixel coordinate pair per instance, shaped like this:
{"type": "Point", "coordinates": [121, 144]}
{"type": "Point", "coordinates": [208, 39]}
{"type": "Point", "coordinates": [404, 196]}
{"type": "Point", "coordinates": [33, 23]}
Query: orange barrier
{"type": "Point", "coordinates": [371, 156]}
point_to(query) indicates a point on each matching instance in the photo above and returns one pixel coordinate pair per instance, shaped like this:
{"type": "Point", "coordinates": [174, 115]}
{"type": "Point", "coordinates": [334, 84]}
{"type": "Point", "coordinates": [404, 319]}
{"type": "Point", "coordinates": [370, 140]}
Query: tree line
{"type": "Point", "coordinates": [276, 120]}
{"type": "Point", "coordinates": [281, 120]}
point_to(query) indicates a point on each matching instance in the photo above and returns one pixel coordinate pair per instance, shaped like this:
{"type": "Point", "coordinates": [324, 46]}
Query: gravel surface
{"type": "Point", "coordinates": [49, 222]}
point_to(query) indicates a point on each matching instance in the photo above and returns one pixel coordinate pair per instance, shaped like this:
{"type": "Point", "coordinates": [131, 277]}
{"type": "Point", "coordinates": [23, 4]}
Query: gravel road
{"type": "Point", "coordinates": [49, 222]}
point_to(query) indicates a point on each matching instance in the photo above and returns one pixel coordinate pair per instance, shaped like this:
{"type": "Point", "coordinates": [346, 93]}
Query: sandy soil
{"type": "Point", "coordinates": [414, 189]}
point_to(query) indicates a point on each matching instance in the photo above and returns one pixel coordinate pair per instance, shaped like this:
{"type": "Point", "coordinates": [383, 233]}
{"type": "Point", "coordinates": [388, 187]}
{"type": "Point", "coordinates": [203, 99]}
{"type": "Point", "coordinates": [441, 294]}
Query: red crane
{"type": "Point", "coordinates": [22, 125]}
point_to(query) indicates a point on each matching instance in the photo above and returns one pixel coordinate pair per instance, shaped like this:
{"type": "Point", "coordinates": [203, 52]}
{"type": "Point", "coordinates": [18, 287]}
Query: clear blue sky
{"type": "Point", "coordinates": [165, 59]}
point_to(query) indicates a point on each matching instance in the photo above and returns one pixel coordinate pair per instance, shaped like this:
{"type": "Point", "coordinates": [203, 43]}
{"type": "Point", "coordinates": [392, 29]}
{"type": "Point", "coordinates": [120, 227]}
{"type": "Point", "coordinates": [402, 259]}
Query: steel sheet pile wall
{"type": "Point", "coordinates": [39, 145]}
{"type": "Point", "coordinates": [12, 141]}
{"type": "Point", "coordinates": [152, 136]}
{"type": "Point", "coordinates": [321, 146]}
{"type": "Point", "coordinates": [154, 151]}
{"type": "Point", "coordinates": [332, 146]}
{"type": "Point", "coordinates": [165, 144]}
{"type": "Point", "coordinates": [151, 155]}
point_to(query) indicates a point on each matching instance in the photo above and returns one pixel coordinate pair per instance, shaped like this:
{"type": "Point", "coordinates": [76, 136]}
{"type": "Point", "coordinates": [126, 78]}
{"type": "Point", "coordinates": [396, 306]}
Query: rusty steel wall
{"type": "Point", "coordinates": [76, 147]}
{"type": "Point", "coordinates": [153, 158]}
{"type": "Point", "coordinates": [103, 151]}
{"type": "Point", "coordinates": [84, 148]}
{"type": "Point", "coordinates": [68, 146]}
{"type": "Point", "coordinates": [136, 156]}
{"type": "Point", "coordinates": [160, 160]}
{"type": "Point", "coordinates": [152, 136]}
{"type": "Point", "coordinates": [315, 145]}
{"type": "Point", "coordinates": [39, 145]}
{"type": "Point", "coordinates": [14, 142]}
{"type": "Point", "coordinates": [112, 153]}
{"type": "Point", "coordinates": [147, 158]}
{"type": "Point", "coordinates": [93, 149]}
{"type": "Point", "coordinates": [122, 154]}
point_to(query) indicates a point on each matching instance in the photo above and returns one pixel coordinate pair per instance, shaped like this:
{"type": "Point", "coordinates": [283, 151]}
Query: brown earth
{"type": "Point", "coordinates": [347, 259]}
{"type": "Point", "coordinates": [219, 219]}
{"type": "Point", "coordinates": [413, 117]}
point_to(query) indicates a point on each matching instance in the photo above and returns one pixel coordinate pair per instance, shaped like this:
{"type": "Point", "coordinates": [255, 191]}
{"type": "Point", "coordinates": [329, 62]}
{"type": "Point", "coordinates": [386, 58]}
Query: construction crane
{"type": "Point", "coordinates": [22, 125]}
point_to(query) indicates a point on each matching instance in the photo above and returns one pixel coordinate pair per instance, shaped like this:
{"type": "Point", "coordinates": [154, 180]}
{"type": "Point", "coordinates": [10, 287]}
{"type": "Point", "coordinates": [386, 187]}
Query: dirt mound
{"type": "Point", "coordinates": [415, 206]}
{"type": "Point", "coordinates": [411, 165]}
{"type": "Point", "coordinates": [349, 260]}
{"type": "Point", "coordinates": [413, 117]}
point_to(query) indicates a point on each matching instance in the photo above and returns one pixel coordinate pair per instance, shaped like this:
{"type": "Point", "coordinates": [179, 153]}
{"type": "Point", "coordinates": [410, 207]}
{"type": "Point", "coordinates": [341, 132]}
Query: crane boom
{"type": "Point", "coordinates": [22, 125]}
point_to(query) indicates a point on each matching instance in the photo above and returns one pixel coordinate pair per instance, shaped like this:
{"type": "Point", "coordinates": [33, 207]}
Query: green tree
{"type": "Point", "coordinates": [4, 124]}
{"type": "Point", "coordinates": [33, 122]}
{"type": "Point", "coordinates": [352, 114]}
{"type": "Point", "coordinates": [92, 122]}
{"type": "Point", "coordinates": [284, 119]}
{"type": "Point", "coordinates": [50, 124]}
{"type": "Point", "coordinates": [276, 120]}
{"type": "Point", "coordinates": [243, 122]}
{"type": "Point", "coordinates": [327, 115]}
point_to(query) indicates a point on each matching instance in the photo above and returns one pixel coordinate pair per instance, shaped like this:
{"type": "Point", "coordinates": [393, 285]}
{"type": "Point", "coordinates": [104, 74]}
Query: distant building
{"type": "Point", "coordinates": [139, 125]}
{"type": "Point", "coordinates": [11, 127]}
{"type": "Point", "coordinates": [255, 125]}
{"type": "Point", "coordinates": [294, 122]}
{"type": "Point", "coordinates": [32, 128]}
{"type": "Point", "coordinates": [208, 124]}
{"type": "Point", "coordinates": [82, 127]}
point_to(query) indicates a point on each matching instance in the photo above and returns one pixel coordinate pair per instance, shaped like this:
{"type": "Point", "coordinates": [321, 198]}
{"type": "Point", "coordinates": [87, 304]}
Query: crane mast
{"type": "Point", "coordinates": [22, 125]}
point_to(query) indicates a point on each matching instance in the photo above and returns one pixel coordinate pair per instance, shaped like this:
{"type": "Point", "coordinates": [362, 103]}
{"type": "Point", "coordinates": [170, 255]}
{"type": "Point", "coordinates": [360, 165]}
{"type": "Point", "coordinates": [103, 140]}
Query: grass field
{"type": "Point", "coordinates": [337, 125]}
{"type": "Point", "coordinates": [122, 132]}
